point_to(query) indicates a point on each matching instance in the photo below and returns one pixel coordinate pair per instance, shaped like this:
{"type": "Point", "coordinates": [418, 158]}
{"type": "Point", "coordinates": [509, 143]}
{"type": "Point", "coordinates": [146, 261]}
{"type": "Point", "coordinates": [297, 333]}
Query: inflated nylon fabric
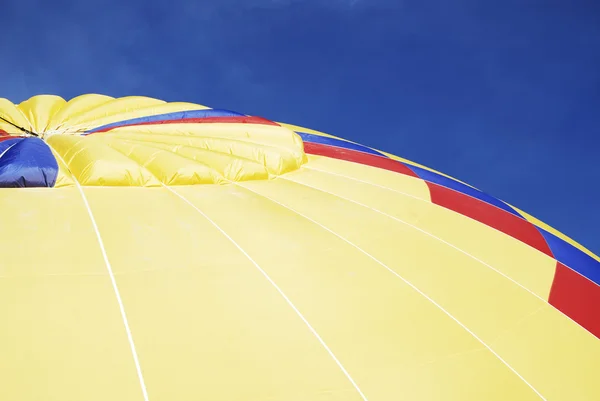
{"type": "Point", "coordinates": [251, 270]}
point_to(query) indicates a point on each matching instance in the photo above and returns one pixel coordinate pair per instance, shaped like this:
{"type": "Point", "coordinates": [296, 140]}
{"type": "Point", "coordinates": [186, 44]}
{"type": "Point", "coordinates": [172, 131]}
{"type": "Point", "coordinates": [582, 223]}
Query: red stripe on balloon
{"type": "Point", "coordinates": [490, 215]}
{"type": "Point", "coordinates": [207, 120]}
{"type": "Point", "coordinates": [357, 157]}
{"type": "Point", "coordinates": [7, 137]}
{"type": "Point", "coordinates": [466, 205]}
{"type": "Point", "coordinates": [577, 297]}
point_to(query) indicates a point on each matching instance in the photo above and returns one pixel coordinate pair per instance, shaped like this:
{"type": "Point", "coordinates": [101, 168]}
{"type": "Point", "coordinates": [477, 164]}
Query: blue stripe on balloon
{"type": "Point", "coordinates": [325, 140]}
{"type": "Point", "coordinates": [460, 187]}
{"type": "Point", "coordinates": [572, 257]}
{"type": "Point", "coordinates": [179, 115]}
{"type": "Point", "coordinates": [422, 173]}
{"type": "Point", "coordinates": [27, 162]}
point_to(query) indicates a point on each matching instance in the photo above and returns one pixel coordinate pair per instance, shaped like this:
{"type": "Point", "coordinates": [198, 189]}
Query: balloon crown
{"type": "Point", "coordinates": [97, 140]}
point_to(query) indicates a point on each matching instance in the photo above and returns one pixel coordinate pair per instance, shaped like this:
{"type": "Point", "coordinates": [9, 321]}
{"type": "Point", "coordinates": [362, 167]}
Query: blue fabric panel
{"type": "Point", "coordinates": [460, 187]}
{"type": "Point", "coordinates": [572, 257]}
{"type": "Point", "coordinates": [7, 143]}
{"type": "Point", "coordinates": [337, 142]}
{"type": "Point", "coordinates": [28, 163]}
{"type": "Point", "coordinates": [179, 115]}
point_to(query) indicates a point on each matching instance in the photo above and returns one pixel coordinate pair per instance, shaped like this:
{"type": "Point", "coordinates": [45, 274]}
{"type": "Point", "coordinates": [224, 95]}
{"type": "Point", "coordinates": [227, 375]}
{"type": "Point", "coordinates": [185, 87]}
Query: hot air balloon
{"type": "Point", "coordinates": [156, 250]}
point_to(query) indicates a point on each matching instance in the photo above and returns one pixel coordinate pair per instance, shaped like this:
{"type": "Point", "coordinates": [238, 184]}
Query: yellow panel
{"type": "Point", "coordinates": [170, 168]}
{"type": "Point", "coordinates": [270, 135]}
{"type": "Point", "coordinates": [394, 342]}
{"type": "Point", "coordinates": [556, 352]}
{"type": "Point", "coordinates": [39, 110]}
{"type": "Point", "coordinates": [207, 324]}
{"type": "Point", "coordinates": [95, 163]}
{"type": "Point", "coordinates": [62, 336]}
{"type": "Point", "coordinates": [105, 111]}
{"type": "Point", "coordinates": [76, 106]}
{"type": "Point", "coordinates": [557, 233]}
{"type": "Point", "coordinates": [277, 158]}
{"type": "Point", "coordinates": [221, 137]}
{"type": "Point", "coordinates": [135, 159]}
{"type": "Point", "coordinates": [127, 108]}
{"type": "Point", "coordinates": [148, 111]}
{"type": "Point", "coordinates": [13, 114]}
{"type": "Point", "coordinates": [231, 167]}
{"type": "Point", "coordinates": [408, 185]}
{"type": "Point", "coordinates": [490, 305]}
{"type": "Point", "coordinates": [523, 264]}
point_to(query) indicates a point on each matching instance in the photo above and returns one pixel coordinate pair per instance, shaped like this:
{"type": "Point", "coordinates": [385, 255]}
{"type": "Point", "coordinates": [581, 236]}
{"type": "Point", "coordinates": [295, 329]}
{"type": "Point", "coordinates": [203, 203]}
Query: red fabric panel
{"type": "Point", "coordinates": [577, 297]}
{"type": "Point", "coordinates": [7, 137]}
{"type": "Point", "coordinates": [357, 157]}
{"type": "Point", "coordinates": [490, 215]}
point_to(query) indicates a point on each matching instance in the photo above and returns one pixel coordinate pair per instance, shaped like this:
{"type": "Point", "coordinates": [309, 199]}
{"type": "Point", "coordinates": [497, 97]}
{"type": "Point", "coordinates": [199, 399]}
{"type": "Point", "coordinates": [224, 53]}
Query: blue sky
{"type": "Point", "coordinates": [502, 94]}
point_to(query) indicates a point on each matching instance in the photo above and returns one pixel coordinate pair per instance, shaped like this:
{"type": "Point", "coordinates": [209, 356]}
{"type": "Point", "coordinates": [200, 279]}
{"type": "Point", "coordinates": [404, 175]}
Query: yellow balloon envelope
{"type": "Point", "coordinates": [155, 251]}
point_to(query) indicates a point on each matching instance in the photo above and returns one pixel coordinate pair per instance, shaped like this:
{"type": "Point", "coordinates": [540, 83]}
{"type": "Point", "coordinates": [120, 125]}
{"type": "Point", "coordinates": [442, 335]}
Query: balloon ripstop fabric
{"type": "Point", "coordinates": [290, 262]}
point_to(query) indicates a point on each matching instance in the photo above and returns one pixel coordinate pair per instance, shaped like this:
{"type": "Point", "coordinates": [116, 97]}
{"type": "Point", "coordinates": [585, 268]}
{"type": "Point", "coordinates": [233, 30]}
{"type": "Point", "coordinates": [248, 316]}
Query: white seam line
{"type": "Point", "coordinates": [279, 290]}
{"type": "Point", "coordinates": [440, 185]}
{"type": "Point", "coordinates": [7, 149]}
{"type": "Point", "coordinates": [113, 281]}
{"type": "Point", "coordinates": [443, 185]}
{"type": "Point", "coordinates": [116, 289]}
{"type": "Point", "coordinates": [364, 182]}
{"type": "Point", "coordinates": [546, 301]}
{"type": "Point", "coordinates": [468, 217]}
{"type": "Point", "coordinates": [424, 232]}
{"type": "Point", "coordinates": [409, 284]}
